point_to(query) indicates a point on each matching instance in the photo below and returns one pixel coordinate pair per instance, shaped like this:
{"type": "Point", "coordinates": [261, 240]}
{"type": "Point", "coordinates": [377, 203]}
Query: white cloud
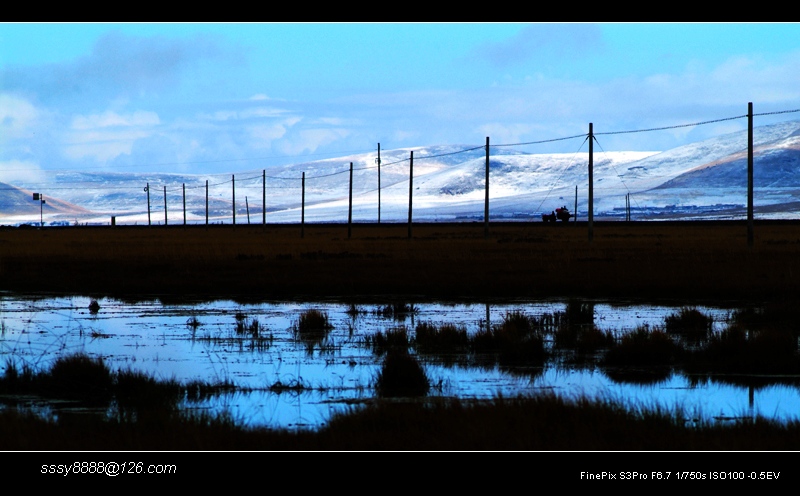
{"type": "Point", "coordinates": [572, 41]}
{"type": "Point", "coordinates": [220, 115]}
{"type": "Point", "coordinates": [309, 140]}
{"type": "Point", "coordinates": [113, 119]}
{"type": "Point", "coordinates": [17, 116]}
{"type": "Point", "coordinates": [263, 135]}
{"type": "Point", "coordinates": [20, 171]}
{"type": "Point", "coordinates": [252, 113]}
{"type": "Point", "coordinates": [106, 136]}
{"type": "Point", "coordinates": [333, 121]}
{"type": "Point", "coordinates": [261, 112]}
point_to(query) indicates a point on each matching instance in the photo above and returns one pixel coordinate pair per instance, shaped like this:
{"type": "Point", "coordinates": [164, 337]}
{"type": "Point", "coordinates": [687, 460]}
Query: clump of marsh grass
{"type": "Point", "coordinates": [515, 341]}
{"type": "Point", "coordinates": [139, 396]}
{"type": "Point", "coordinates": [15, 380]}
{"type": "Point", "coordinates": [738, 350]}
{"type": "Point", "coordinates": [383, 341]}
{"type": "Point", "coordinates": [401, 375]}
{"type": "Point", "coordinates": [576, 331]}
{"type": "Point", "coordinates": [74, 377]}
{"type": "Point", "coordinates": [81, 377]}
{"type": "Point", "coordinates": [312, 328]}
{"type": "Point", "coordinates": [124, 396]}
{"type": "Point", "coordinates": [246, 327]}
{"type": "Point", "coordinates": [582, 339]}
{"type": "Point", "coordinates": [690, 324]}
{"type": "Point", "coordinates": [644, 347]}
{"type": "Point", "coordinates": [445, 338]}
{"type": "Point", "coordinates": [313, 321]}
{"type": "Point", "coordinates": [772, 315]}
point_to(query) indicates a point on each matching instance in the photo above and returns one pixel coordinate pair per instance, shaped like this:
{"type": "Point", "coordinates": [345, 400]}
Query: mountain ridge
{"type": "Point", "coordinates": [448, 184]}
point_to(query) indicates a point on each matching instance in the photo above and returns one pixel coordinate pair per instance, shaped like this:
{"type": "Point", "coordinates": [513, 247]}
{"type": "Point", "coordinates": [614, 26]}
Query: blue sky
{"type": "Point", "coordinates": [230, 97]}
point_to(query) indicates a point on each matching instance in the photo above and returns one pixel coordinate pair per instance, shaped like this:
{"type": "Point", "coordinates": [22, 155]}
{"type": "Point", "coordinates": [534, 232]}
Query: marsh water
{"type": "Point", "coordinates": [284, 381]}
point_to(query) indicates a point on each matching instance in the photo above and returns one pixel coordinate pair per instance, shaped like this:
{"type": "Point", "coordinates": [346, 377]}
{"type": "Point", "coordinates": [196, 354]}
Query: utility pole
{"type": "Point", "coordinates": [750, 174]}
{"type": "Point", "coordinates": [410, 191]}
{"type": "Point", "coordinates": [40, 198]}
{"type": "Point", "coordinates": [147, 190]}
{"type": "Point", "coordinates": [486, 202]}
{"type": "Point", "coordinates": [576, 205]}
{"type": "Point", "coordinates": [379, 182]}
{"type": "Point", "coordinates": [264, 198]}
{"type": "Point", "coordinates": [165, 205]}
{"type": "Point", "coordinates": [350, 205]}
{"type": "Point", "coordinates": [591, 182]}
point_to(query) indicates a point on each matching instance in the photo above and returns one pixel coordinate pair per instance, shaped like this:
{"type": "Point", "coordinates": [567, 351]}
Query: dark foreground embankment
{"type": "Point", "coordinates": [652, 259]}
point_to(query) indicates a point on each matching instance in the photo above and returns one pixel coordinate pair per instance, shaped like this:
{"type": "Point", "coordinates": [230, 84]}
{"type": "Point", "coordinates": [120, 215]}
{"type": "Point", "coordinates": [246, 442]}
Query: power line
{"type": "Point", "coordinates": [542, 141]}
{"type": "Point", "coordinates": [86, 183]}
{"type": "Point", "coordinates": [672, 127]}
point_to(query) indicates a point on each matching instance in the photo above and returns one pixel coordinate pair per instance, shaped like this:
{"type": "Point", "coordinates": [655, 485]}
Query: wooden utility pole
{"type": "Point", "coordinates": [379, 183]}
{"type": "Point", "coordinates": [184, 204]}
{"type": "Point", "coordinates": [410, 191]}
{"type": "Point", "coordinates": [486, 202]}
{"type": "Point", "coordinates": [628, 206]}
{"type": "Point", "coordinates": [165, 205]}
{"type": "Point", "coordinates": [750, 174]}
{"type": "Point", "coordinates": [591, 183]}
{"type": "Point", "coordinates": [350, 205]}
{"type": "Point", "coordinates": [575, 212]}
{"type": "Point", "coordinates": [147, 189]}
{"type": "Point", "coordinates": [233, 190]}
{"type": "Point", "coordinates": [206, 203]}
{"type": "Point", "coordinates": [247, 209]}
{"type": "Point", "coordinates": [264, 198]}
{"type": "Point", "coordinates": [303, 207]}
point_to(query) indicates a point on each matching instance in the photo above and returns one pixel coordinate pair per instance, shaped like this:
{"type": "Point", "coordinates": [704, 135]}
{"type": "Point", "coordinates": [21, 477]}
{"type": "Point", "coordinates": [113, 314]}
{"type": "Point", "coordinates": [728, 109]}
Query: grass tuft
{"type": "Point", "coordinates": [517, 340]}
{"type": "Point", "coordinates": [382, 342]}
{"type": "Point", "coordinates": [401, 375]}
{"type": "Point", "coordinates": [313, 321]}
{"type": "Point", "coordinates": [644, 347]}
{"type": "Point", "coordinates": [80, 377]}
{"type": "Point", "coordinates": [690, 324]}
{"type": "Point", "coordinates": [446, 338]}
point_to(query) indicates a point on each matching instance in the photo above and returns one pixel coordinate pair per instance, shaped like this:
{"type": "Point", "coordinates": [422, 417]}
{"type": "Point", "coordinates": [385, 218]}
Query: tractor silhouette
{"type": "Point", "coordinates": [561, 214]}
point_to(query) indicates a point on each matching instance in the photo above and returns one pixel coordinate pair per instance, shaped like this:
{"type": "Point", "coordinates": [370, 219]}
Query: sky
{"type": "Point", "coordinates": [214, 98]}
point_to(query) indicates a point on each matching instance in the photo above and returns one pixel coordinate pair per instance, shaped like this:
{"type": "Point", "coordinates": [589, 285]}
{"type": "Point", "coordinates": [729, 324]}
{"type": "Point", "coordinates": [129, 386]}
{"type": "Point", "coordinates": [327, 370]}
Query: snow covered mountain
{"type": "Point", "coordinates": [707, 179]}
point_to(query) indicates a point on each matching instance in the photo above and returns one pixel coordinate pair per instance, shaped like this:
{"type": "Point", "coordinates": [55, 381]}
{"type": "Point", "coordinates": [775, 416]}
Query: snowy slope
{"type": "Point", "coordinates": [704, 179]}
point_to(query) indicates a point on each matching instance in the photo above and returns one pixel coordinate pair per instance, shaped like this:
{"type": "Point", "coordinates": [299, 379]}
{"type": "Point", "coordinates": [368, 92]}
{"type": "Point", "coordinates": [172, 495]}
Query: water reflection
{"type": "Point", "coordinates": [295, 362]}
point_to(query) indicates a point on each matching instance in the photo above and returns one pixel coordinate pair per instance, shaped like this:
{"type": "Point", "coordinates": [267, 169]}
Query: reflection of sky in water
{"type": "Point", "coordinates": [155, 338]}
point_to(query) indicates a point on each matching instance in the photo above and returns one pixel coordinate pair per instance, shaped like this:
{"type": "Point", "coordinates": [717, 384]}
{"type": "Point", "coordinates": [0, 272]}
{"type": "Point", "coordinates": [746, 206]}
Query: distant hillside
{"type": "Point", "coordinates": [699, 180]}
{"type": "Point", "coordinates": [775, 165]}
{"type": "Point", "coordinates": [18, 204]}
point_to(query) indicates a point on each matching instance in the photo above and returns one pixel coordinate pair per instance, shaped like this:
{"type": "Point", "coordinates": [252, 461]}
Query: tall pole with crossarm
{"type": "Point", "coordinates": [591, 183]}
